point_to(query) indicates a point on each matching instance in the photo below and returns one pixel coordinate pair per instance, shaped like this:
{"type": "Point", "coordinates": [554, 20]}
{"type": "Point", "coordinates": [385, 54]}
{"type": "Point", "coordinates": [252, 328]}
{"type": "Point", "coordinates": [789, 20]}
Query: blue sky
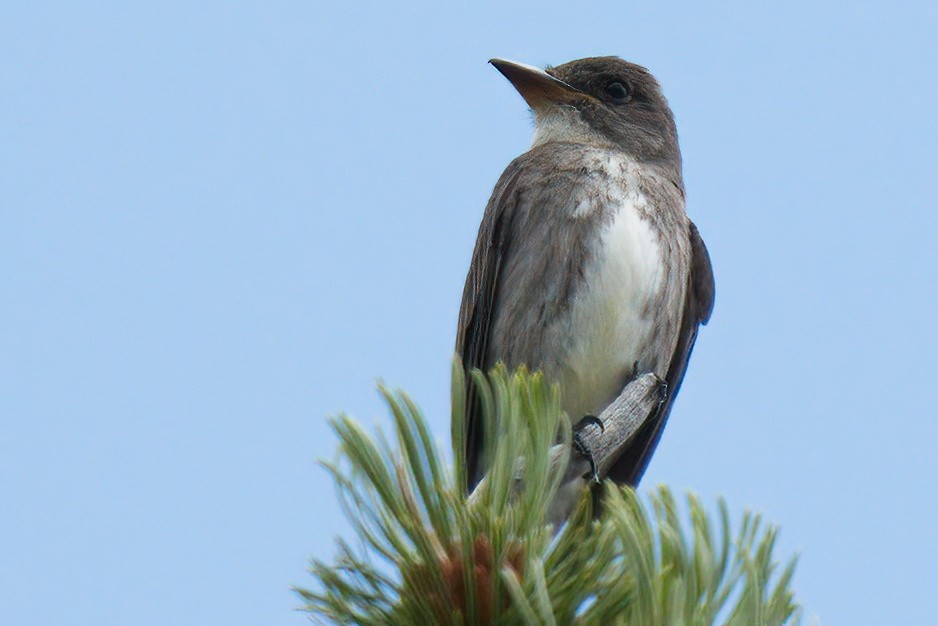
{"type": "Point", "coordinates": [221, 223]}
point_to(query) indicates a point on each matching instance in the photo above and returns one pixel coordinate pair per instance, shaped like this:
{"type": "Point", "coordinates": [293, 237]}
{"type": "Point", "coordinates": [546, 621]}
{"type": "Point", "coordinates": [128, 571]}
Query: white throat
{"type": "Point", "coordinates": [561, 123]}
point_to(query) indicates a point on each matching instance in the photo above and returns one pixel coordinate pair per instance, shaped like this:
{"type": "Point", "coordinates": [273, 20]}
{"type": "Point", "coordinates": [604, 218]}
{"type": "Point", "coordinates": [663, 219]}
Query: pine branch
{"type": "Point", "coordinates": [430, 555]}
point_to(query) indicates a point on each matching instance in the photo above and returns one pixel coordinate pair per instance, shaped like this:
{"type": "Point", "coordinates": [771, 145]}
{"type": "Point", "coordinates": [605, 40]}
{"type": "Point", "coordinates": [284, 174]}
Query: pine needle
{"type": "Point", "coordinates": [430, 555]}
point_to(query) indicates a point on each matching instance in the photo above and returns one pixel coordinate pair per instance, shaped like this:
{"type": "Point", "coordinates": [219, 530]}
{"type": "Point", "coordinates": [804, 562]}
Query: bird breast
{"type": "Point", "coordinates": [614, 314]}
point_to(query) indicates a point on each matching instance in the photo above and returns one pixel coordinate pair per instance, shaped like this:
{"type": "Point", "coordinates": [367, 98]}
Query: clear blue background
{"type": "Point", "coordinates": [221, 223]}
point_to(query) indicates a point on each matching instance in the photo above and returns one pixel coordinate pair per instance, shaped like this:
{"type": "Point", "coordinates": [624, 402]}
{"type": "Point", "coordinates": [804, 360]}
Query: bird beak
{"type": "Point", "coordinates": [538, 88]}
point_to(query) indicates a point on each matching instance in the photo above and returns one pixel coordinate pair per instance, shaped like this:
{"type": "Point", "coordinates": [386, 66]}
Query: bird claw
{"type": "Point", "coordinates": [586, 420]}
{"type": "Point", "coordinates": [580, 446]}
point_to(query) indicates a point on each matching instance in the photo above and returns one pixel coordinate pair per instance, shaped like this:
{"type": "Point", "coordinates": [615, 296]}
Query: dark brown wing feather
{"type": "Point", "coordinates": [476, 314]}
{"type": "Point", "coordinates": [631, 465]}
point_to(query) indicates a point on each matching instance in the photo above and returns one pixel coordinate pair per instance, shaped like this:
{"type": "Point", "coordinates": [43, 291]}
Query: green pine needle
{"type": "Point", "coordinates": [430, 555]}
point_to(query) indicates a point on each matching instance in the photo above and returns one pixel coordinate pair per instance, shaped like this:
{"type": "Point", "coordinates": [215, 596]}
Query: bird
{"type": "Point", "coordinates": [586, 266]}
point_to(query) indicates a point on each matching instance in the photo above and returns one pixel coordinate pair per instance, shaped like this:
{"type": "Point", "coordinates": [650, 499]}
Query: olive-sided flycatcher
{"type": "Point", "coordinates": [586, 265]}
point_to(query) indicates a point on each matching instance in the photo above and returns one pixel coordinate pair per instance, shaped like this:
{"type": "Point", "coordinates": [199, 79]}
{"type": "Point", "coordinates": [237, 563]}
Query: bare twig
{"type": "Point", "coordinates": [621, 421]}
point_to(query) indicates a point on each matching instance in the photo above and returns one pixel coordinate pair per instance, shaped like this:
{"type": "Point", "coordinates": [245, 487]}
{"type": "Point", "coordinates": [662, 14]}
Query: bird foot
{"type": "Point", "coordinates": [582, 448]}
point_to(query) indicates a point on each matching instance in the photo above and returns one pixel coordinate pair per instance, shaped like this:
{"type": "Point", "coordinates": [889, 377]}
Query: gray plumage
{"type": "Point", "coordinates": [553, 283]}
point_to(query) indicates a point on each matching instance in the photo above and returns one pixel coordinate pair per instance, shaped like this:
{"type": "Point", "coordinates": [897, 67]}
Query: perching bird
{"type": "Point", "coordinates": [586, 266]}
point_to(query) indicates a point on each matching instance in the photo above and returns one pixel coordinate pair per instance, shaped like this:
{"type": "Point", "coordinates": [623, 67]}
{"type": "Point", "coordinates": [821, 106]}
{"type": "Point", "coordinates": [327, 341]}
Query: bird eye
{"type": "Point", "coordinates": [618, 91]}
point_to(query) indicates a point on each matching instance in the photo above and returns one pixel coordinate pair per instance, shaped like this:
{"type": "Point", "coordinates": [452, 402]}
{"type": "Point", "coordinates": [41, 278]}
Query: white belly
{"type": "Point", "coordinates": [612, 319]}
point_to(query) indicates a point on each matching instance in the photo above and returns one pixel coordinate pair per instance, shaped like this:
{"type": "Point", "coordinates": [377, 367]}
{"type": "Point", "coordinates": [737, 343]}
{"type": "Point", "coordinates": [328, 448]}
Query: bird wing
{"type": "Point", "coordinates": [633, 461]}
{"type": "Point", "coordinates": [476, 314]}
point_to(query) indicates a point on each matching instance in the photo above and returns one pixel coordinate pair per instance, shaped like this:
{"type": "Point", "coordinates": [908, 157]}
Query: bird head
{"type": "Point", "coordinates": [600, 101]}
